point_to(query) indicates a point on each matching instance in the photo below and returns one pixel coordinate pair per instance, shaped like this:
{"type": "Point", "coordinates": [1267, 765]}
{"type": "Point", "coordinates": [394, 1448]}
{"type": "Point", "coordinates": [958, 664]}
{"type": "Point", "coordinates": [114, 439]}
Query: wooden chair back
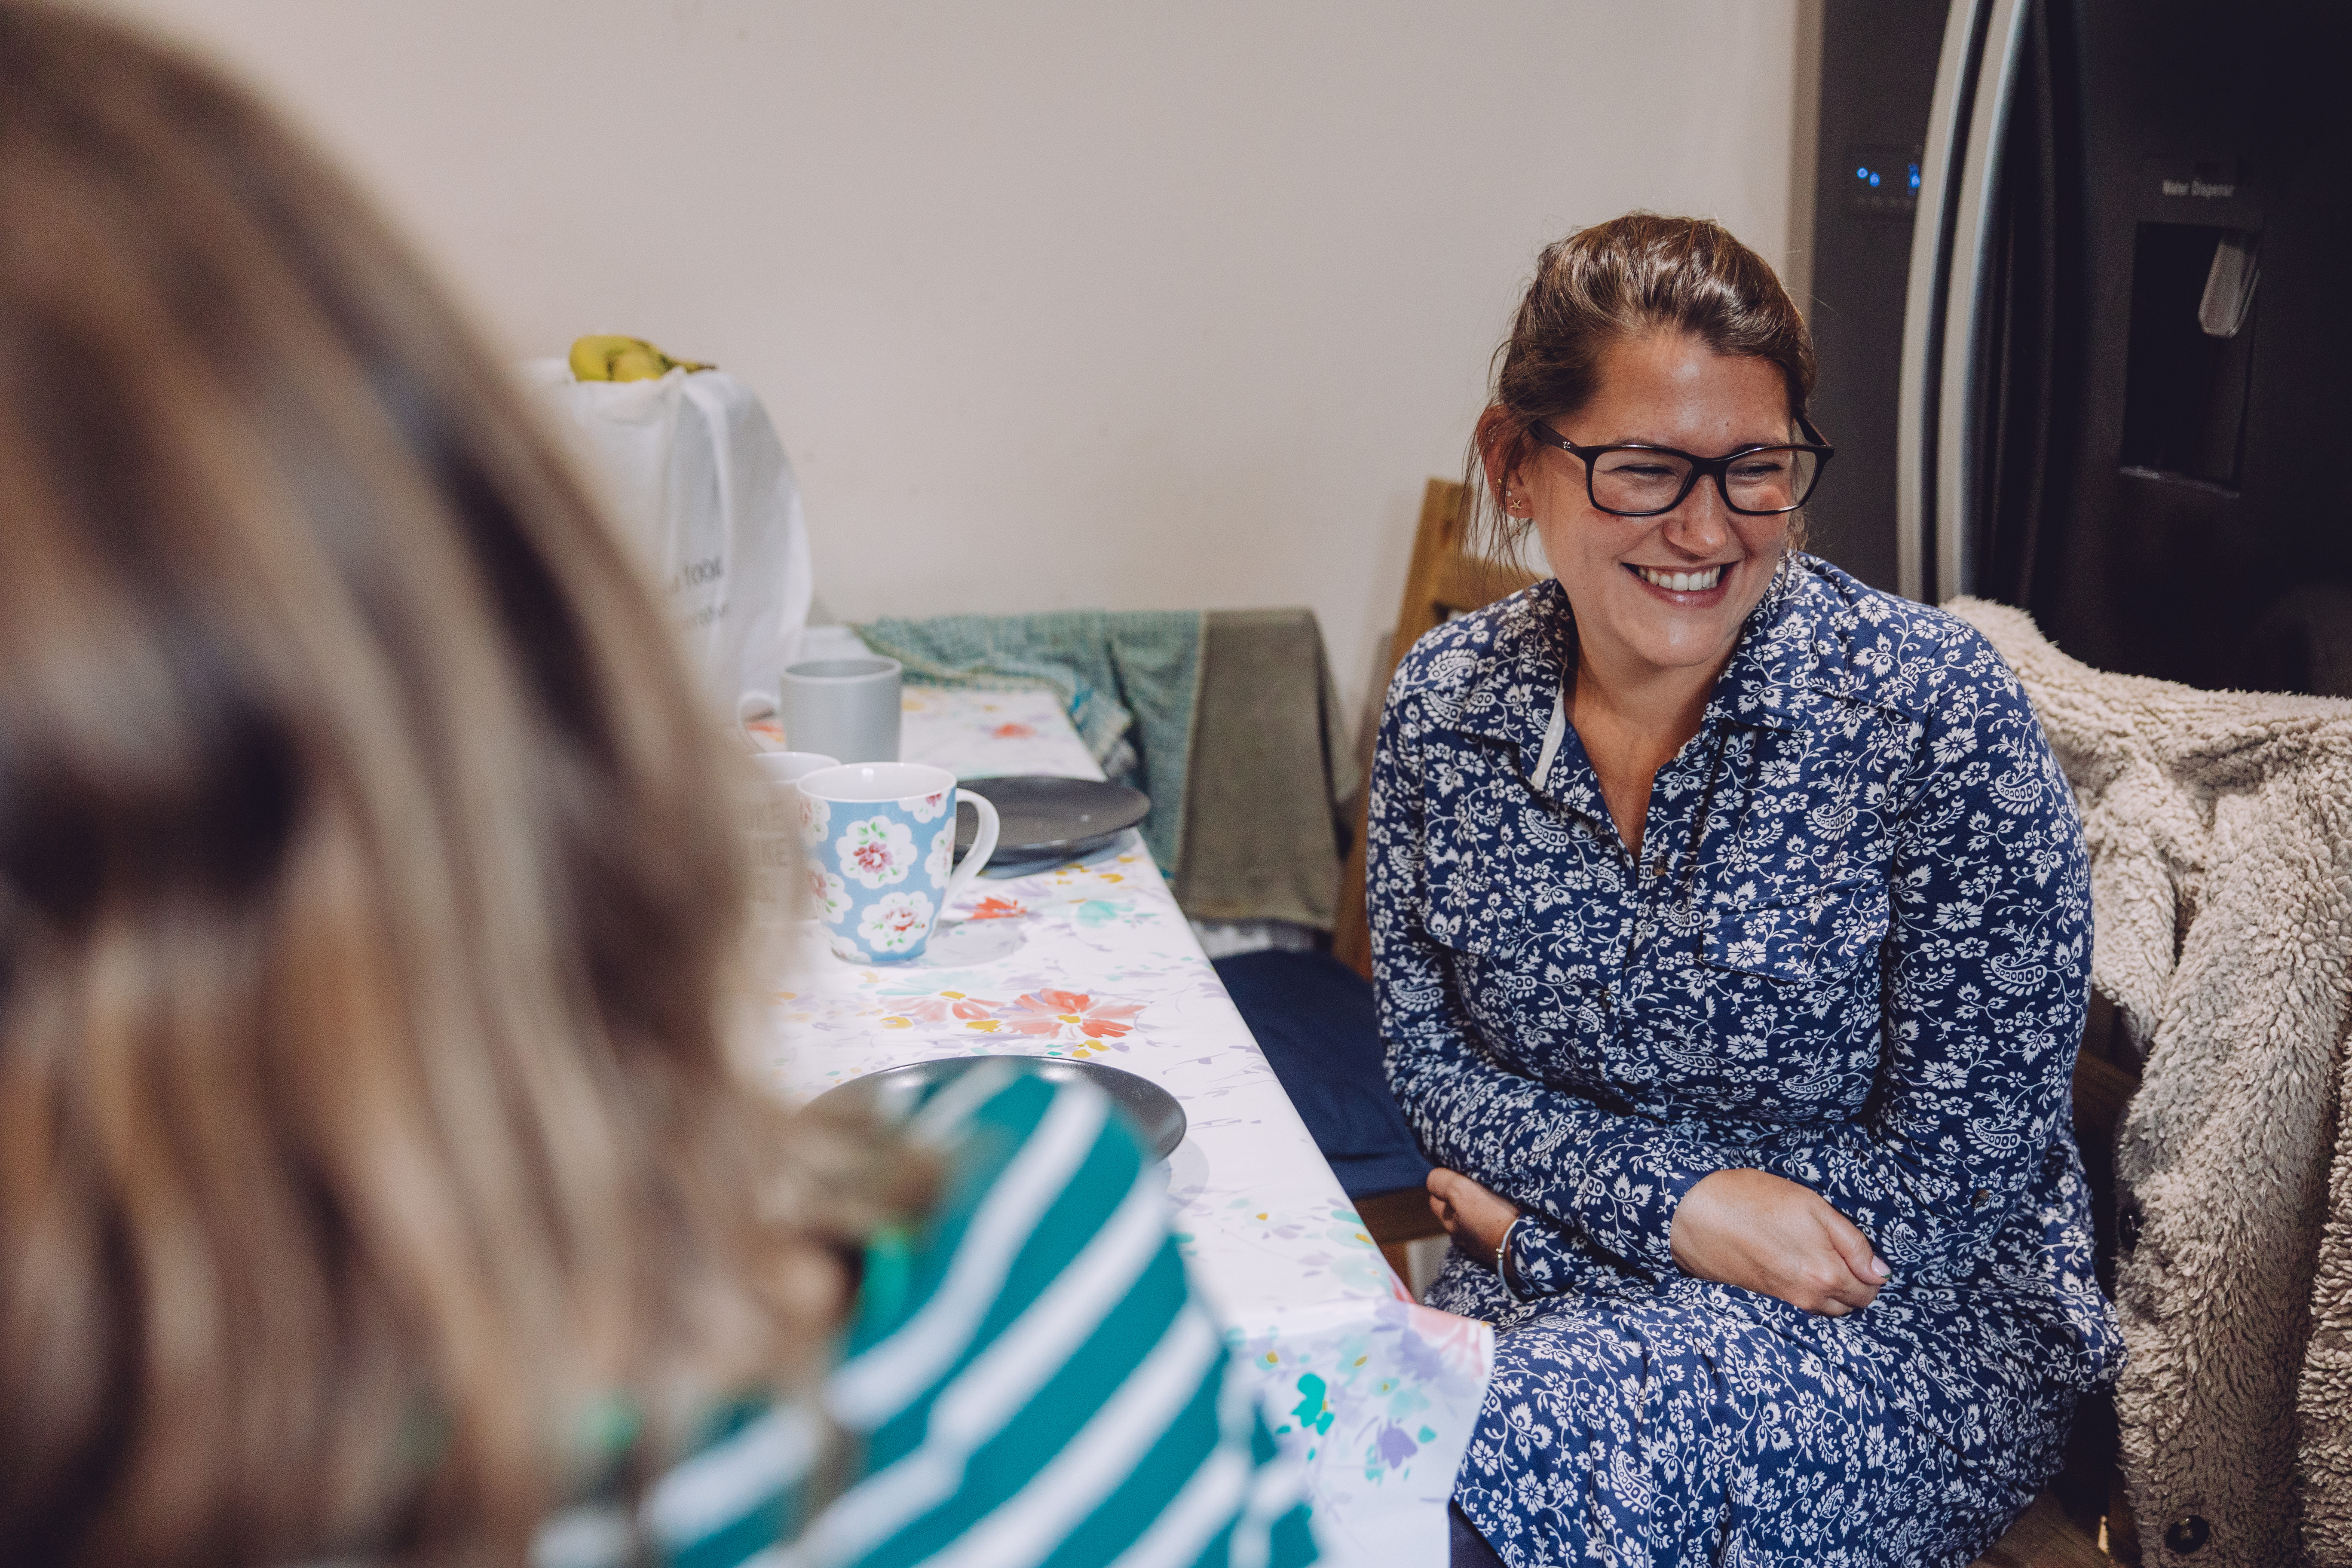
{"type": "Point", "coordinates": [1442, 580]}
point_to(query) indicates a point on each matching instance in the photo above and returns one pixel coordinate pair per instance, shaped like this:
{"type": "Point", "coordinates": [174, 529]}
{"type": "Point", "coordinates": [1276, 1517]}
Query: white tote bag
{"type": "Point", "coordinates": [695, 476]}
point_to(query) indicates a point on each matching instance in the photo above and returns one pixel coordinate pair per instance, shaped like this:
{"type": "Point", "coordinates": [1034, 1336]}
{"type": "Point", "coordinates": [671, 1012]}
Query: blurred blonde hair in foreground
{"type": "Point", "coordinates": [368, 887]}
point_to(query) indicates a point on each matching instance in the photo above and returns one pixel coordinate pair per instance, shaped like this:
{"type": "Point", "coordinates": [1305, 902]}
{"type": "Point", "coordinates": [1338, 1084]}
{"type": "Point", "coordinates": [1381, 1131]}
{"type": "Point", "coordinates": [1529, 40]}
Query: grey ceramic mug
{"type": "Point", "coordinates": [845, 707]}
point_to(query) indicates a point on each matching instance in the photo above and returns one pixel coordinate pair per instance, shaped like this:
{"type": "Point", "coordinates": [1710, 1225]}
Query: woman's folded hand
{"type": "Point", "coordinates": [1475, 1217]}
{"type": "Point", "coordinates": [1758, 1231]}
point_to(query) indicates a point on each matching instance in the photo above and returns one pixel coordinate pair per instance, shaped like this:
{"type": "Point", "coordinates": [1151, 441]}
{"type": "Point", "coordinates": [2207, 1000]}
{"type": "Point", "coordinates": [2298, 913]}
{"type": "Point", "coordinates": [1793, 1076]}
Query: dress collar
{"type": "Point", "coordinates": [1770, 664]}
{"type": "Point", "coordinates": [1509, 696]}
{"type": "Point", "coordinates": [1510, 692]}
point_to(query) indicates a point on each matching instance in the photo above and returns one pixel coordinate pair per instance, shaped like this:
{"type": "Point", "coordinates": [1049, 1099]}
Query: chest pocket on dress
{"type": "Point", "coordinates": [1807, 939]}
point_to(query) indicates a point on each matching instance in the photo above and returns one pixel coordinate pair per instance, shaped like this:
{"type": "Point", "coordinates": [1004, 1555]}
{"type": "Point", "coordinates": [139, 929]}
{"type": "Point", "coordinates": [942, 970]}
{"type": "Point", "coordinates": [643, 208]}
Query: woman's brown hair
{"type": "Point", "coordinates": [1638, 273]}
{"type": "Point", "coordinates": [368, 885]}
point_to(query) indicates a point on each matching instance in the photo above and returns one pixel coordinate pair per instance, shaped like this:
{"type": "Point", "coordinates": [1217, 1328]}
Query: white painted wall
{"type": "Point", "coordinates": [1056, 303]}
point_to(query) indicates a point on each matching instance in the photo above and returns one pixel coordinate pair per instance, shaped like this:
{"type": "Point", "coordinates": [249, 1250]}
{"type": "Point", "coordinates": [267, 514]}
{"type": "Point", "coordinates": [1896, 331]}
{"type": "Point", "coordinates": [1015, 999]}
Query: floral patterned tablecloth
{"type": "Point", "coordinates": [1373, 1391]}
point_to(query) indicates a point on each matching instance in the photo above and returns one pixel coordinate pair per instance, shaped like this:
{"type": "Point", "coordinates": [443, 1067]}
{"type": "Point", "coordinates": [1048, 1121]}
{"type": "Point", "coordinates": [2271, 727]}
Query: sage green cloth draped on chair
{"type": "Point", "coordinates": [1269, 766]}
{"type": "Point", "coordinates": [1226, 719]}
{"type": "Point", "coordinates": [1127, 679]}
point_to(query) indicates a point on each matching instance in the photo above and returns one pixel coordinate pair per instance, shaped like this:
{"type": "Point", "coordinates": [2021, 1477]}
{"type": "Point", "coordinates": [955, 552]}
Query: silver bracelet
{"type": "Point", "coordinates": [1503, 1258]}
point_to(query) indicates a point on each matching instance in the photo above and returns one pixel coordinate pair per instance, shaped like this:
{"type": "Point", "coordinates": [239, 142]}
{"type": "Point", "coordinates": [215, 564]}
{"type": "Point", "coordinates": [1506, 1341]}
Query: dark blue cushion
{"type": "Point", "coordinates": [1314, 1019]}
{"type": "Point", "coordinates": [1467, 1548]}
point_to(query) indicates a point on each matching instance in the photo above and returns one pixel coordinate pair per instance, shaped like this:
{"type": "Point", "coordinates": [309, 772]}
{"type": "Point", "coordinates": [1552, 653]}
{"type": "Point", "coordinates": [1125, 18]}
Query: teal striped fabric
{"type": "Point", "coordinates": [1029, 1380]}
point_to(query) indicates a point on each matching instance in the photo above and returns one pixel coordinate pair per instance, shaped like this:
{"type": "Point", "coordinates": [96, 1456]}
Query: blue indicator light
{"type": "Point", "coordinates": [1914, 176]}
{"type": "Point", "coordinates": [1862, 173]}
{"type": "Point", "coordinates": [1873, 181]}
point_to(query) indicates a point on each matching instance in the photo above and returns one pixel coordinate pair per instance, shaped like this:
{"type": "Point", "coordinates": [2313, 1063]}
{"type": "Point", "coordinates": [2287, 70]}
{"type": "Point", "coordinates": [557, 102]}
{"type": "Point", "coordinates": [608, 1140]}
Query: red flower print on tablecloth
{"type": "Point", "coordinates": [993, 908]}
{"type": "Point", "coordinates": [1016, 730]}
{"type": "Point", "coordinates": [1069, 1015]}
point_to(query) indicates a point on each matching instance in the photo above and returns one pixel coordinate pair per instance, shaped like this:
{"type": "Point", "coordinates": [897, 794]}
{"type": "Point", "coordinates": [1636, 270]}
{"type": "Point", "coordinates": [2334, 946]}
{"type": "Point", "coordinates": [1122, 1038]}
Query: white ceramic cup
{"type": "Point", "coordinates": [880, 839]}
{"type": "Point", "coordinates": [845, 707]}
{"type": "Point", "coordinates": [780, 855]}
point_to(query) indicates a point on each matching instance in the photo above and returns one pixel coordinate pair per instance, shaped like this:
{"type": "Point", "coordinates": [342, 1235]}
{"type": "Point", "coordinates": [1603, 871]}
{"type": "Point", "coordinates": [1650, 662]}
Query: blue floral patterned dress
{"type": "Point", "coordinates": [1853, 953]}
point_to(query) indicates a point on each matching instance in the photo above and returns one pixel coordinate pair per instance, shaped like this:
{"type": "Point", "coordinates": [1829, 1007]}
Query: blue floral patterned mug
{"type": "Point", "coordinates": [880, 839]}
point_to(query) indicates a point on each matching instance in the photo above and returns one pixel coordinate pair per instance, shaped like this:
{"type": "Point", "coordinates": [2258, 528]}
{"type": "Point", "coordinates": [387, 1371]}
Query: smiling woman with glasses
{"type": "Point", "coordinates": [1731, 931]}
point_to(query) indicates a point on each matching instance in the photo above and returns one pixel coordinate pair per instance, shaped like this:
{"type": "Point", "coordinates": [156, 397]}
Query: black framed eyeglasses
{"type": "Point", "coordinates": [1646, 481]}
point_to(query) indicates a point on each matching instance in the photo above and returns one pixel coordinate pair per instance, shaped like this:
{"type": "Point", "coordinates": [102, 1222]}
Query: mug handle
{"type": "Point", "coordinates": [754, 704]}
{"type": "Point", "coordinates": [983, 845]}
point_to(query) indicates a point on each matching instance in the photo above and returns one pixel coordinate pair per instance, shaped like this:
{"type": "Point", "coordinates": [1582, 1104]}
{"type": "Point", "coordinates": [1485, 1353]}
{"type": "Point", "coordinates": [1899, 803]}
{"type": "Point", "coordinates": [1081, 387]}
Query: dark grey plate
{"type": "Point", "coordinates": [1050, 819]}
{"type": "Point", "coordinates": [891, 1093]}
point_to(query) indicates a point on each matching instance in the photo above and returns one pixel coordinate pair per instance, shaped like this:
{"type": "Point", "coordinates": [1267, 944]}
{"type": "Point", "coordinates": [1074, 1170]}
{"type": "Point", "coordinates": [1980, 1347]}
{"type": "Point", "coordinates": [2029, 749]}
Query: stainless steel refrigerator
{"type": "Point", "coordinates": [2082, 298]}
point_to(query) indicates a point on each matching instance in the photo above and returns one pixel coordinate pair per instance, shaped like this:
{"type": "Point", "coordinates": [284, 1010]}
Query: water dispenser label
{"type": "Point", "coordinates": [2201, 179]}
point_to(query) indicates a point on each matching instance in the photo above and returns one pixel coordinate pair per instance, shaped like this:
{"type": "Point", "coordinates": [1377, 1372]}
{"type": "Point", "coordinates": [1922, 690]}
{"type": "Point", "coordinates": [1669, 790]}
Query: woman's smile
{"type": "Point", "coordinates": [1701, 586]}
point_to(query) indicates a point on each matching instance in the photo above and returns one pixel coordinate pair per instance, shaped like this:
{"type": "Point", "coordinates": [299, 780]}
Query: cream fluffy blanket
{"type": "Point", "coordinates": [2220, 836]}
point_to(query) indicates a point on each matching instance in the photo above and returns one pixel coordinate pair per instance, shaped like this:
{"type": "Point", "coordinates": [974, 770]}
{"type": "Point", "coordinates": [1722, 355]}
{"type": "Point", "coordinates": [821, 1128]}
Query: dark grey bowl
{"type": "Point", "coordinates": [891, 1093]}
